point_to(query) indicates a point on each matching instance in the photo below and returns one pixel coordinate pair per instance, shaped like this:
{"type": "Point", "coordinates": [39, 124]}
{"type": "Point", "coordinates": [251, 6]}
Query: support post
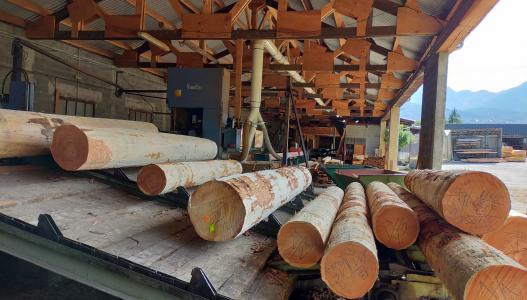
{"type": "Point", "coordinates": [433, 112]}
{"type": "Point", "coordinates": [238, 81]}
{"type": "Point", "coordinates": [382, 136]}
{"type": "Point", "coordinates": [393, 141]}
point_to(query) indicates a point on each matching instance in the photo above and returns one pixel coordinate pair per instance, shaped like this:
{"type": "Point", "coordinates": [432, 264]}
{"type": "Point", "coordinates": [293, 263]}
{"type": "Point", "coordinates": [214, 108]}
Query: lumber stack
{"type": "Point", "coordinates": [157, 179]}
{"type": "Point", "coordinates": [506, 151]}
{"type": "Point", "coordinates": [24, 133]}
{"type": "Point", "coordinates": [350, 265]}
{"type": "Point", "coordinates": [469, 267]}
{"type": "Point", "coordinates": [223, 209]}
{"type": "Point", "coordinates": [511, 238]}
{"type": "Point", "coordinates": [302, 239]}
{"type": "Point", "coordinates": [475, 202]}
{"type": "Point", "coordinates": [76, 149]}
{"type": "Point", "coordinates": [395, 224]}
{"type": "Point", "coordinates": [517, 156]}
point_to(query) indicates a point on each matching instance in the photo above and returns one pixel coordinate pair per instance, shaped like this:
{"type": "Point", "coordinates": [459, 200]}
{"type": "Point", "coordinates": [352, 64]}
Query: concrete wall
{"type": "Point", "coordinates": [370, 133]}
{"type": "Point", "coordinates": [49, 75]}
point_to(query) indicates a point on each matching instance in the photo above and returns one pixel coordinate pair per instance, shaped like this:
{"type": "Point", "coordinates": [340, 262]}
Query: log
{"type": "Point", "coordinates": [475, 202]}
{"type": "Point", "coordinates": [223, 209]}
{"type": "Point", "coordinates": [301, 241]}
{"type": "Point", "coordinates": [76, 149]}
{"type": "Point", "coordinates": [395, 224]}
{"type": "Point", "coordinates": [157, 179]}
{"type": "Point", "coordinates": [469, 267]}
{"type": "Point", "coordinates": [511, 238]}
{"type": "Point", "coordinates": [350, 266]}
{"type": "Point", "coordinates": [24, 133]}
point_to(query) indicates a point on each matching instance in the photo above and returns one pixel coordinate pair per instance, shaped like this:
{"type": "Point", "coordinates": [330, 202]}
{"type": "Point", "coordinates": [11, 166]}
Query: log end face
{"type": "Point", "coordinates": [476, 202]}
{"type": "Point", "coordinates": [69, 147]}
{"type": "Point", "coordinates": [510, 239]}
{"type": "Point", "coordinates": [349, 270]}
{"type": "Point", "coordinates": [216, 211]}
{"type": "Point", "coordinates": [396, 227]}
{"type": "Point", "coordinates": [299, 244]}
{"type": "Point", "coordinates": [498, 282]}
{"type": "Point", "coordinates": [151, 180]}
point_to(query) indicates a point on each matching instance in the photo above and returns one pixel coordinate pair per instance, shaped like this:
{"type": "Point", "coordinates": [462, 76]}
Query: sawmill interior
{"type": "Point", "coordinates": [218, 149]}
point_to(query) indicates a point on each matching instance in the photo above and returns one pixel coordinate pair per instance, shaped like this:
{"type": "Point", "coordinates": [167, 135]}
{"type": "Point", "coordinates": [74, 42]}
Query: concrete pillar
{"type": "Point", "coordinates": [433, 113]}
{"type": "Point", "coordinates": [393, 140]}
{"type": "Point", "coordinates": [382, 135]}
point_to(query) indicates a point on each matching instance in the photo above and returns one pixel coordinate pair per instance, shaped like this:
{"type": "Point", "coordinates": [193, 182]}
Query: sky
{"type": "Point", "coordinates": [494, 55]}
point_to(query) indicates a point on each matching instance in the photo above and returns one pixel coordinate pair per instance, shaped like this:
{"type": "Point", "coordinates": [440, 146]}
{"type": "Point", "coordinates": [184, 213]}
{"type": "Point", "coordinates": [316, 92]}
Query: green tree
{"type": "Point", "coordinates": [454, 117]}
{"type": "Point", "coordinates": [405, 136]}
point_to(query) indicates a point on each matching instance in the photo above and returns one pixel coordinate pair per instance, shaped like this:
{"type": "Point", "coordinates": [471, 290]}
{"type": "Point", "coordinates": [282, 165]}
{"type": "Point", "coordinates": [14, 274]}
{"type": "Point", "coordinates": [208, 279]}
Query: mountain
{"type": "Point", "coordinates": [508, 106]}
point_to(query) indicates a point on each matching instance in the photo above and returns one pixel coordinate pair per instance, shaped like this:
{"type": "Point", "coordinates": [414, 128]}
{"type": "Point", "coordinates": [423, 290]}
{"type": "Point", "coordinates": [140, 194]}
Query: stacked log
{"type": "Point", "coordinates": [24, 133]}
{"type": "Point", "coordinates": [350, 265]}
{"type": "Point", "coordinates": [395, 224]}
{"type": "Point", "coordinates": [301, 241]}
{"type": "Point", "coordinates": [511, 238]}
{"type": "Point", "coordinates": [76, 149]}
{"type": "Point", "coordinates": [223, 209]}
{"type": "Point", "coordinates": [469, 267]}
{"type": "Point", "coordinates": [475, 202]}
{"type": "Point", "coordinates": [157, 179]}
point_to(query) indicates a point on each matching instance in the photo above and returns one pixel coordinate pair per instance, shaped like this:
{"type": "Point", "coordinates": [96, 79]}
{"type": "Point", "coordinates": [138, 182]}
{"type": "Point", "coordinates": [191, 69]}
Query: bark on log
{"type": "Point", "coordinates": [511, 238]}
{"type": "Point", "coordinates": [301, 241]}
{"type": "Point", "coordinates": [475, 202]}
{"type": "Point", "coordinates": [350, 266]}
{"type": "Point", "coordinates": [223, 209]}
{"type": "Point", "coordinates": [76, 149]}
{"type": "Point", "coordinates": [469, 267]}
{"type": "Point", "coordinates": [395, 224]}
{"type": "Point", "coordinates": [24, 133]}
{"type": "Point", "coordinates": [157, 179]}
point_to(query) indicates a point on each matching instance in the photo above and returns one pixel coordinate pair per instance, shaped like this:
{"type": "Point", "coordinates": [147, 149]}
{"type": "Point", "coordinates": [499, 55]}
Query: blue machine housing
{"type": "Point", "coordinates": [206, 89]}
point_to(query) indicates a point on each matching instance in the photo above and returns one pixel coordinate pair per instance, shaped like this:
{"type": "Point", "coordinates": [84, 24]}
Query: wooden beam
{"type": "Point", "coordinates": [252, 34]}
{"type": "Point", "coordinates": [177, 7]}
{"type": "Point", "coordinates": [12, 19]}
{"type": "Point", "coordinates": [30, 6]}
{"type": "Point", "coordinates": [238, 8]}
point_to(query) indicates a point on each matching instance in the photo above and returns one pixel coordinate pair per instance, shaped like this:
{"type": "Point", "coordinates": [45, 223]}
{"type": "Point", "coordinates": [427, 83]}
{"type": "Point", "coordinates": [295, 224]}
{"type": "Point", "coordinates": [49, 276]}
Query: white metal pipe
{"type": "Point", "coordinates": [277, 55]}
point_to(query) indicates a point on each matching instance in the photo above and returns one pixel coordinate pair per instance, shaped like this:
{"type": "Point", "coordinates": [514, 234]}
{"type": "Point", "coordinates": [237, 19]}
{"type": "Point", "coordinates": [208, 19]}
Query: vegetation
{"type": "Point", "coordinates": [454, 118]}
{"type": "Point", "coordinates": [405, 136]}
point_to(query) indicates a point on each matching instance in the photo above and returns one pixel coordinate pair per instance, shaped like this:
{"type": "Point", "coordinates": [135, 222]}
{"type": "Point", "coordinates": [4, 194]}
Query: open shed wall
{"type": "Point", "coordinates": [48, 75]}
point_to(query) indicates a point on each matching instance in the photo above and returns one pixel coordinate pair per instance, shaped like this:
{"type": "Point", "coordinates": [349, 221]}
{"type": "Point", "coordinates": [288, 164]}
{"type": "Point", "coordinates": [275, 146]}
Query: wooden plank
{"type": "Point", "coordinates": [122, 26]}
{"type": "Point", "coordinates": [358, 9]}
{"type": "Point", "coordinates": [298, 23]}
{"type": "Point", "coordinates": [399, 63]}
{"type": "Point", "coordinates": [206, 26]}
{"type": "Point", "coordinates": [414, 22]}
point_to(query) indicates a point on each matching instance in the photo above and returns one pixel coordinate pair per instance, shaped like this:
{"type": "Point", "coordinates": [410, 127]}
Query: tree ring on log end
{"type": "Point", "coordinates": [497, 282]}
{"type": "Point", "coordinates": [70, 147]}
{"type": "Point", "coordinates": [349, 269]}
{"type": "Point", "coordinates": [476, 202]}
{"type": "Point", "coordinates": [300, 244]}
{"type": "Point", "coordinates": [396, 227]}
{"type": "Point", "coordinates": [511, 238]}
{"type": "Point", "coordinates": [151, 180]}
{"type": "Point", "coordinates": [216, 211]}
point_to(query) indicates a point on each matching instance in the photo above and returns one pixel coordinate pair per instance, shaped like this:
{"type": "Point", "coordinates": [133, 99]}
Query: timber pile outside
{"type": "Point", "coordinates": [511, 238]}
{"type": "Point", "coordinates": [24, 133]}
{"type": "Point", "coordinates": [223, 209]}
{"type": "Point", "coordinates": [469, 267]}
{"type": "Point", "coordinates": [157, 179]}
{"type": "Point", "coordinates": [395, 224]}
{"type": "Point", "coordinates": [149, 233]}
{"type": "Point", "coordinates": [301, 241]}
{"type": "Point", "coordinates": [475, 202]}
{"type": "Point", "coordinates": [74, 149]}
{"type": "Point", "coordinates": [351, 254]}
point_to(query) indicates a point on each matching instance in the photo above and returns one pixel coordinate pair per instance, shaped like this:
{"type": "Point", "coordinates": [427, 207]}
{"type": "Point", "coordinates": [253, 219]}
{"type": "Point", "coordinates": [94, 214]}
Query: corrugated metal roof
{"type": "Point", "coordinates": [507, 129]}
